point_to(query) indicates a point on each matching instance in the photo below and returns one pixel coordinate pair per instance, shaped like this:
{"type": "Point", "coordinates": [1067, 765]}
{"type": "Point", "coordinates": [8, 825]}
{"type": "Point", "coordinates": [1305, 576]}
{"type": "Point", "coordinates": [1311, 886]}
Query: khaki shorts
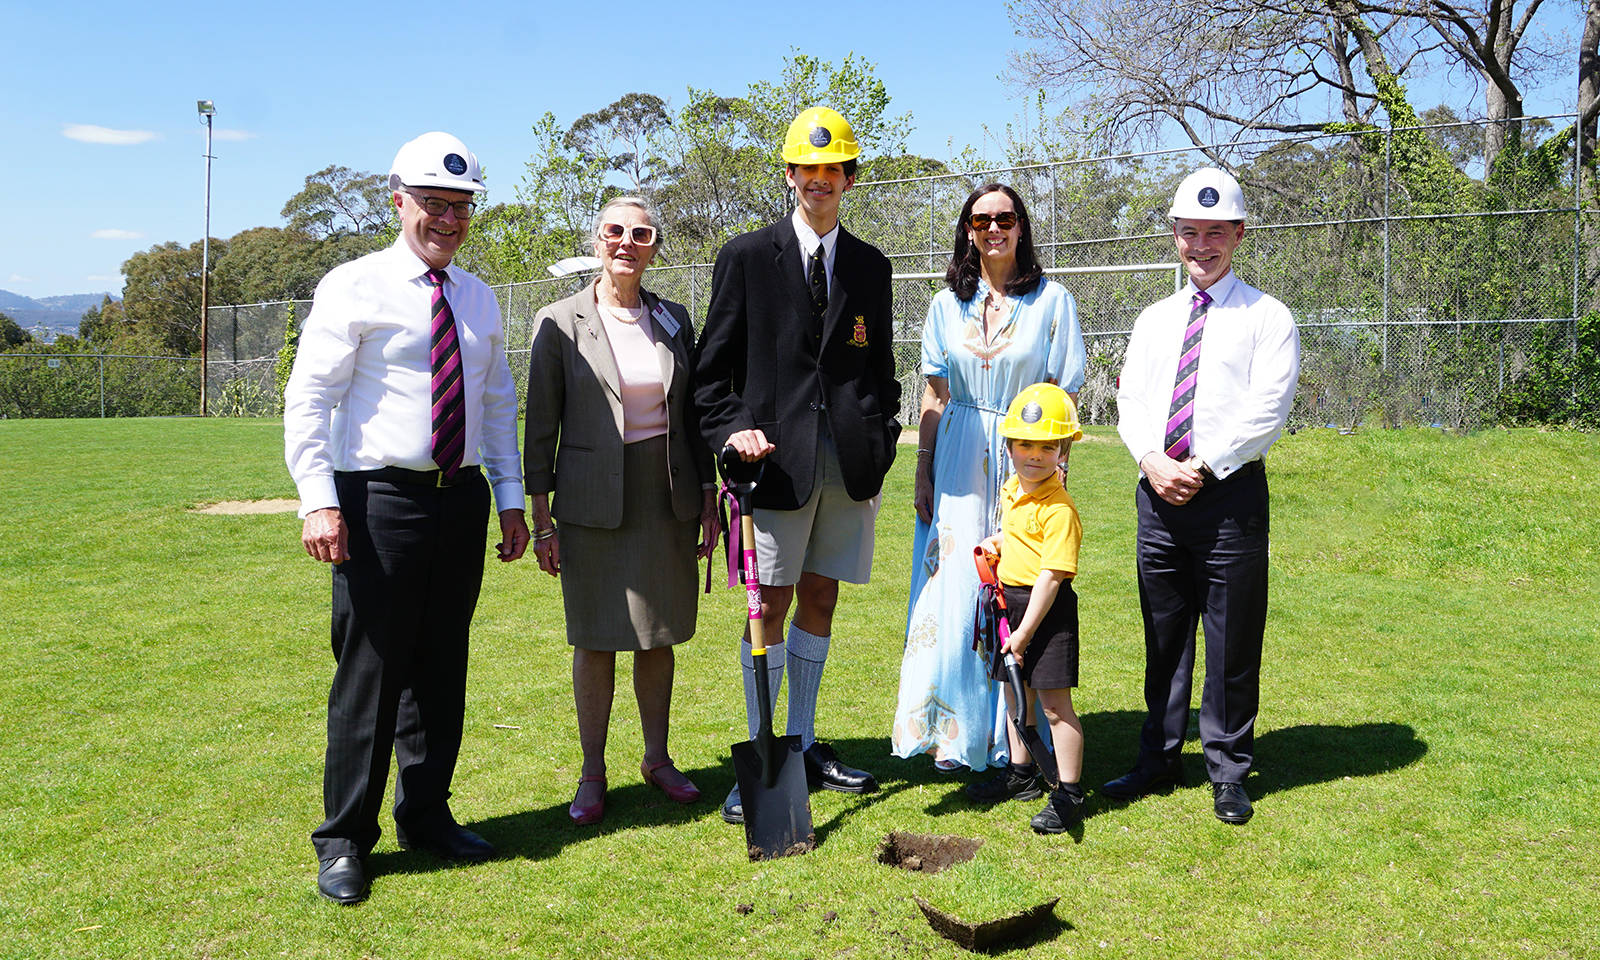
{"type": "Point", "coordinates": [830, 535]}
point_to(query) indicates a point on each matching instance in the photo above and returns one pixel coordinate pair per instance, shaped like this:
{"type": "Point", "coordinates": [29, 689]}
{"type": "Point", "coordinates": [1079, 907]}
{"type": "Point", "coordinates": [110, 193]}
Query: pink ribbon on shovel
{"type": "Point", "coordinates": [732, 544]}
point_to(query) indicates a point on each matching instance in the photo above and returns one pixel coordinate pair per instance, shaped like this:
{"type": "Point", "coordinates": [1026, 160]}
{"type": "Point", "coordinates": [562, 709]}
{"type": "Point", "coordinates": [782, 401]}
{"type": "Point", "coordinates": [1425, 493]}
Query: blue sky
{"type": "Point", "coordinates": [98, 99]}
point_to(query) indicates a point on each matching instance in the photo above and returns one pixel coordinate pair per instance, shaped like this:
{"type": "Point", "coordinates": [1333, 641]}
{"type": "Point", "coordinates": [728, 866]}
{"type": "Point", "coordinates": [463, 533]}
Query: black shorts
{"type": "Point", "coordinates": [1051, 660]}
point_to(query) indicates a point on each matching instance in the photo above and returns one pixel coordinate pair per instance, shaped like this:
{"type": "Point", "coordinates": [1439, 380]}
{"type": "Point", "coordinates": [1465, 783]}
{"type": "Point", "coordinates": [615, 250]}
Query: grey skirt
{"type": "Point", "coordinates": [635, 587]}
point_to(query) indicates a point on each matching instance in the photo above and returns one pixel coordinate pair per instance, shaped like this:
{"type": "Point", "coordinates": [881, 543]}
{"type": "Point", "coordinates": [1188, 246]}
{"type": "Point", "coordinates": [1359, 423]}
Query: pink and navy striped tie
{"type": "Point", "coordinates": [1180, 422]}
{"type": "Point", "coordinates": [449, 412]}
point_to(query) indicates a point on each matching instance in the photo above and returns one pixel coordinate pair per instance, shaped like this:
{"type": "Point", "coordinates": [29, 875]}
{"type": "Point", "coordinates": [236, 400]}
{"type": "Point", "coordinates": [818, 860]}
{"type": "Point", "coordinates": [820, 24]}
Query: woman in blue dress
{"type": "Point", "coordinates": [1000, 327]}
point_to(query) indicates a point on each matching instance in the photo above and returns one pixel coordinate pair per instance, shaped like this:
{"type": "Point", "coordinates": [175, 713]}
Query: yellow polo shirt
{"type": "Point", "coordinates": [1041, 532]}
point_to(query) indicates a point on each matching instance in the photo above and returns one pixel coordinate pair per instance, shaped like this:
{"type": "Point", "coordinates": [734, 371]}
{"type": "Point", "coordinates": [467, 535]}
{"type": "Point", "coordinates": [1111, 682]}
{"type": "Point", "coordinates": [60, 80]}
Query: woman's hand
{"type": "Point", "coordinates": [924, 489]}
{"type": "Point", "coordinates": [710, 525]}
{"type": "Point", "coordinates": [546, 547]}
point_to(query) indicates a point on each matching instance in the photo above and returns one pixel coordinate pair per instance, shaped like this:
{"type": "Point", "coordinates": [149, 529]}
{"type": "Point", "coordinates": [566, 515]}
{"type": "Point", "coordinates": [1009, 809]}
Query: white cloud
{"type": "Point", "coordinates": [89, 133]}
{"type": "Point", "coordinates": [19, 278]}
{"type": "Point", "coordinates": [104, 280]}
{"type": "Point", "coordinates": [114, 234]}
{"type": "Point", "coordinates": [233, 136]}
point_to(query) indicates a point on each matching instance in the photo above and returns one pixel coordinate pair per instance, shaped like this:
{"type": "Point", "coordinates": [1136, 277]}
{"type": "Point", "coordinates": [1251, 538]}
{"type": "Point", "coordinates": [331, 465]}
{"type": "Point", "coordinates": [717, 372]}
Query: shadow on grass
{"type": "Point", "coordinates": [1287, 758]}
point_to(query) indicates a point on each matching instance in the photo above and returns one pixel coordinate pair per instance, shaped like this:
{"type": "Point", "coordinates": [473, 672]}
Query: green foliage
{"type": "Point", "coordinates": [59, 384]}
{"type": "Point", "coordinates": [285, 363]}
{"type": "Point", "coordinates": [12, 334]}
{"type": "Point", "coordinates": [338, 201]}
{"type": "Point", "coordinates": [1560, 383]}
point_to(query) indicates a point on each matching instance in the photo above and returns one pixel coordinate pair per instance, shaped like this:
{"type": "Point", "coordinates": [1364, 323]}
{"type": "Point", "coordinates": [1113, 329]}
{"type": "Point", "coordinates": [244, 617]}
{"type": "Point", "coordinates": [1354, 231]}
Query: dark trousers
{"type": "Point", "coordinates": [402, 604]}
{"type": "Point", "coordinates": [1204, 563]}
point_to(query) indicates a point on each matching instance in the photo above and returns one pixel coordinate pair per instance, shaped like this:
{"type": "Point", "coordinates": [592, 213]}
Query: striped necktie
{"type": "Point", "coordinates": [449, 411]}
{"type": "Point", "coordinates": [1180, 422]}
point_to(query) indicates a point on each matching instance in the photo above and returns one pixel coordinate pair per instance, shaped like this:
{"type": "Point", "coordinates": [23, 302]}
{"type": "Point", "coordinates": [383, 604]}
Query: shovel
{"type": "Point", "coordinates": [1028, 735]}
{"type": "Point", "coordinates": [770, 769]}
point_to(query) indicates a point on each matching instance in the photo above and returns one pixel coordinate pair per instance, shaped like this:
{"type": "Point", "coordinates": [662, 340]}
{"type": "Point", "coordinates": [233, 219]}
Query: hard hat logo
{"type": "Point", "coordinates": [456, 165]}
{"type": "Point", "coordinates": [1209, 197]}
{"type": "Point", "coordinates": [1032, 413]}
{"type": "Point", "coordinates": [820, 137]}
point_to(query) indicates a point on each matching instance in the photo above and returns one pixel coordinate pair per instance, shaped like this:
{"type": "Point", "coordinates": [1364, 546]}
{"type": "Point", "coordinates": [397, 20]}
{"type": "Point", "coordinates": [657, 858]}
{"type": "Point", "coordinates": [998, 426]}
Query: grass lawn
{"type": "Point", "coordinates": [1426, 781]}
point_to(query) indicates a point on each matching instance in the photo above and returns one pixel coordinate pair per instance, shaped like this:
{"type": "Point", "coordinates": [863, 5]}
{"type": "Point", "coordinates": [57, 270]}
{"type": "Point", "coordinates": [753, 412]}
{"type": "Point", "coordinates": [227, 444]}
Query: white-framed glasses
{"type": "Point", "coordinates": [642, 234]}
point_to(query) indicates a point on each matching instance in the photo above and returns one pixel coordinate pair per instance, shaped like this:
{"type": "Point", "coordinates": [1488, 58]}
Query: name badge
{"type": "Point", "coordinates": [668, 322]}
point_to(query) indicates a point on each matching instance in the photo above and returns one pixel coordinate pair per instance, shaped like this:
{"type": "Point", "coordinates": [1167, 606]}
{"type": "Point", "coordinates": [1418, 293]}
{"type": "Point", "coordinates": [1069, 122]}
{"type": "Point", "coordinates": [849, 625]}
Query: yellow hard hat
{"type": "Point", "coordinates": [820, 135]}
{"type": "Point", "coordinates": [1042, 411]}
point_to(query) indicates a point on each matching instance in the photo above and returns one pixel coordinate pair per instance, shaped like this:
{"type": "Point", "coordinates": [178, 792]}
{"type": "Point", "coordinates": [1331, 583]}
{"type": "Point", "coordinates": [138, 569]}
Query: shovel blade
{"type": "Point", "coordinates": [1029, 736]}
{"type": "Point", "coordinates": [777, 818]}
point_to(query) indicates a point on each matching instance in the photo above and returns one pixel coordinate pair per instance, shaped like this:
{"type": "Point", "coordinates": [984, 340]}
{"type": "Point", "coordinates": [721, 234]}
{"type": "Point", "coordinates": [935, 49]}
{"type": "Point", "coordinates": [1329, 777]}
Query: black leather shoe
{"type": "Point", "coordinates": [823, 769]}
{"type": "Point", "coordinates": [343, 880]}
{"type": "Point", "coordinates": [1062, 813]}
{"type": "Point", "coordinates": [733, 807]}
{"type": "Point", "coordinates": [1142, 781]}
{"type": "Point", "coordinates": [455, 842]}
{"type": "Point", "coordinates": [1012, 783]}
{"type": "Point", "coordinates": [1231, 803]}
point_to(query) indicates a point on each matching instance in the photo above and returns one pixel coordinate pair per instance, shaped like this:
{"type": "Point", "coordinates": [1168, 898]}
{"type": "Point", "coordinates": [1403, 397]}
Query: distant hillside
{"type": "Point", "coordinates": [47, 317]}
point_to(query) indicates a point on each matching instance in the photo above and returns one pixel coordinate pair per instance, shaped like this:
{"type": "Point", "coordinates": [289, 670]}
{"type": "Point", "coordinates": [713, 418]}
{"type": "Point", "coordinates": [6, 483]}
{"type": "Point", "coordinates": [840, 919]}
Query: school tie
{"type": "Point", "coordinates": [818, 273]}
{"type": "Point", "coordinates": [1180, 422]}
{"type": "Point", "coordinates": [449, 411]}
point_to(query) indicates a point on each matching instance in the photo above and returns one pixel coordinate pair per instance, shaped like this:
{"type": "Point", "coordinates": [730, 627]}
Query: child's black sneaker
{"type": "Point", "coordinates": [1062, 813]}
{"type": "Point", "coordinates": [1013, 783]}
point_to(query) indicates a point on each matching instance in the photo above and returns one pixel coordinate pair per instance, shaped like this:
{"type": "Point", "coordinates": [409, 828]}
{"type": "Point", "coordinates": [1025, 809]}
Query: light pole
{"type": "Point", "coordinates": [207, 110]}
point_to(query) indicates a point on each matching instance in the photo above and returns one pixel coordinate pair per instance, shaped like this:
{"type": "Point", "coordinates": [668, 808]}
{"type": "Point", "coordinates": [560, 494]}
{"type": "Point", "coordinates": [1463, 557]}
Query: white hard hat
{"type": "Point", "coordinates": [436, 160]}
{"type": "Point", "coordinates": [1208, 194]}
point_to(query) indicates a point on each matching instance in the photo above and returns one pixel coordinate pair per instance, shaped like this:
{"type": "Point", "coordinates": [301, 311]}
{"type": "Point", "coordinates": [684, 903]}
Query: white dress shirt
{"type": "Point", "coordinates": [809, 241]}
{"type": "Point", "coordinates": [361, 394]}
{"type": "Point", "coordinates": [1249, 365]}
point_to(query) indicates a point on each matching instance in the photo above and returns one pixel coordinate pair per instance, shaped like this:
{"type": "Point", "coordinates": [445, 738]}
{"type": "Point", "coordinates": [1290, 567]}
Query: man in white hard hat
{"type": "Point", "coordinates": [400, 401]}
{"type": "Point", "coordinates": [1205, 389]}
{"type": "Point", "coordinates": [795, 366]}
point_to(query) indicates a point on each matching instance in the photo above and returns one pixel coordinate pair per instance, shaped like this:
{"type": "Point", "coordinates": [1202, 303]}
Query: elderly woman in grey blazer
{"type": "Point", "coordinates": [612, 432]}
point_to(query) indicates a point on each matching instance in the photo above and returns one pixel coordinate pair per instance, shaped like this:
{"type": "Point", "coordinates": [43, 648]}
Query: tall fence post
{"type": "Point", "coordinates": [1388, 152]}
{"type": "Point", "coordinates": [102, 361]}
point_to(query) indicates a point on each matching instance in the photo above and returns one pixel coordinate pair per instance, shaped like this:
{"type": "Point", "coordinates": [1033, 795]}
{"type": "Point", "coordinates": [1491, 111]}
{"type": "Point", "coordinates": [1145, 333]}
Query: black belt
{"type": "Point", "coordinates": [418, 478]}
{"type": "Point", "coordinates": [1207, 478]}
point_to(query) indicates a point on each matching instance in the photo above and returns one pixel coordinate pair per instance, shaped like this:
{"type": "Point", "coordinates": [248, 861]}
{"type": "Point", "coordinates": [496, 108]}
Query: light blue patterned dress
{"type": "Point", "coordinates": [947, 704]}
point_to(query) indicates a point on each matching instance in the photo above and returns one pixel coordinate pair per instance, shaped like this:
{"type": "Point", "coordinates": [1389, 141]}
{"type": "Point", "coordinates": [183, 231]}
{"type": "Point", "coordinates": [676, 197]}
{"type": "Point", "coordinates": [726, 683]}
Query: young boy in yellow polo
{"type": "Point", "coordinates": [1038, 548]}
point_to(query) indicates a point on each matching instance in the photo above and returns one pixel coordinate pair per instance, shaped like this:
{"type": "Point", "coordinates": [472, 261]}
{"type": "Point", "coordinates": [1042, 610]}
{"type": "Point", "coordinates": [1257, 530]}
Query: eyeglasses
{"type": "Point", "coordinates": [981, 221]}
{"type": "Point", "coordinates": [436, 206]}
{"type": "Point", "coordinates": [642, 234]}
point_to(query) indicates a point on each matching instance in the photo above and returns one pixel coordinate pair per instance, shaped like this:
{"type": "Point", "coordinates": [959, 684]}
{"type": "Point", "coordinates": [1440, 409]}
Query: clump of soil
{"type": "Point", "coordinates": [926, 852]}
{"type": "Point", "coordinates": [990, 933]}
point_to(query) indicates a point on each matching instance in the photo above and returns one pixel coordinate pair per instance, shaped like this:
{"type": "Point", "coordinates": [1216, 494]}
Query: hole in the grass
{"type": "Point", "coordinates": [927, 852]}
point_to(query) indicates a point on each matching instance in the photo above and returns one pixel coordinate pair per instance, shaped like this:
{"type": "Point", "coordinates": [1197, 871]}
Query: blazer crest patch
{"type": "Point", "coordinates": [858, 334]}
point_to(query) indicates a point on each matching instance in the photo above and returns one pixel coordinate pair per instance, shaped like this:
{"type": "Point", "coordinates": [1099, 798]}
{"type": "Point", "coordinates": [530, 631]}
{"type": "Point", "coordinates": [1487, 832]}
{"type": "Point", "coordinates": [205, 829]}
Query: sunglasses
{"type": "Point", "coordinates": [642, 234]}
{"type": "Point", "coordinates": [981, 221]}
{"type": "Point", "coordinates": [436, 206]}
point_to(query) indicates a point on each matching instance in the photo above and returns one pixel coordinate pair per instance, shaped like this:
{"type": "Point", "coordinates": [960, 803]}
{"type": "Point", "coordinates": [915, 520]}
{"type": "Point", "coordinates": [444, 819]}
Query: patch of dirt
{"type": "Point", "coordinates": [926, 852]}
{"type": "Point", "coordinates": [237, 507]}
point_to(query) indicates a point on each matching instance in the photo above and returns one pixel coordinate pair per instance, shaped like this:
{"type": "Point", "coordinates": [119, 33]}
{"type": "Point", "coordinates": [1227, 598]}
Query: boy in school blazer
{"type": "Point", "coordinates": [795, 366]}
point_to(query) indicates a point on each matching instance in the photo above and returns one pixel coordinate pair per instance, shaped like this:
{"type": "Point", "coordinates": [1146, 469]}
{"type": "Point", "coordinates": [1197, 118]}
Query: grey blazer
{"type": "Point", "coordinates": [572, 445]}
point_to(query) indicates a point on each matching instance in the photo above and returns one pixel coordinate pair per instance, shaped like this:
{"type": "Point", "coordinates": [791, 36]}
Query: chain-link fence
{"type": "Point", "coordinates": [37, 385]}
{"type": "Point", "coordinates": [1421, 297]}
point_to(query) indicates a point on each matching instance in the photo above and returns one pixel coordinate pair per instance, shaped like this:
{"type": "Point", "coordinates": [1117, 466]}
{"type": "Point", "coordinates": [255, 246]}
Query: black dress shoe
{"type": "Point", "coordinates": [823, 769]}
{"type": "Point", "coordinates": [733, 807]}
{"type": "Point", "coordinates": [1062, 813]}
{"type": "Point", "coordinates": [1142, 780]}
{"type": "Point", "coordinates": [1012, 783]}
{"type": "Point", "coordinates": [455, 842]}
{"type": "Point", "coordinates": [1231, 803]}
{"type": "Point", "coordinates": [343, 880]}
